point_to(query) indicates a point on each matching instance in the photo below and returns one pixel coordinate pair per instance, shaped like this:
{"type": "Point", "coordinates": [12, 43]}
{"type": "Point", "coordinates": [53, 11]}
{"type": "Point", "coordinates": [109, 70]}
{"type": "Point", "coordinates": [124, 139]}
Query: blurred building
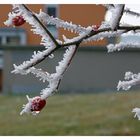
{"type": "Point", "coordinates": [92, 69]}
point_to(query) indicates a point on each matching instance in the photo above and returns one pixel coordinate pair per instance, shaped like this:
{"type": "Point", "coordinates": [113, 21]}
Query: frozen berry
{"type": "Point", "coordinates": [18, 21]}
{"type": "Point", "coordinates": [37, 104]}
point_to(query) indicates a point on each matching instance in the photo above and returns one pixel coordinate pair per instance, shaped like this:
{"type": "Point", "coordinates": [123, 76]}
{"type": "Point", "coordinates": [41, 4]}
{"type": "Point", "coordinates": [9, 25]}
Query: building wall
{"type": "Point", "coordinates": [92, 70]}
{"type": "Point", "coordinates": [84, 15]}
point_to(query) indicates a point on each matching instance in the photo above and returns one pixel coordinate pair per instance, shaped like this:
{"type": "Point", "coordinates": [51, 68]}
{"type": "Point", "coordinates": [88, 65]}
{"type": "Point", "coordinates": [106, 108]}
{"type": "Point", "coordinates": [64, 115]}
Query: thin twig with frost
{"type": "Point", "coordinates": [137, 112]}
{"type": "Point", "coordinates": [121, 46]}
{"type": "Point", "coordinates": [50, 20]}
{"type": "Point", "coordinates": [117, 13]}
{"type": "Point", "coordinates": [126, 10]}
{"type": "Point", "coordinates": [130, 80]}
{"type": "Point", "coordinates": [54, 79]}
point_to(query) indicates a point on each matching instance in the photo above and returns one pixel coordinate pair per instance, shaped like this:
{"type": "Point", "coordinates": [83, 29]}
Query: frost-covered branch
{"type": "Point", "coordinates": [38, 22]}
{"type": "Point", "coordinates": [38, 28]}
{"type": "Point", "coordinates": [54, 79]}
{"type": "Point", "coordinates": [109, 6]}
{"type": "Point", "coordinates": [126, 10]}
{"type": "Point", "coordinates": [85, 34]}
{"type": "Point", "coordinates": [60, 69]}
{"type": "Point", "coordinates": [50, 20]}
{"type": "Point", "coordinates": [130, 80]}
{"type": "Point", "coordinates": [121, 46]}
{"type": "Point", "coordinates": [137, 112]}
{"type": "Point", "coordinates": [117, 13]}
{"type": "Point", "coordinates": [130, 12]}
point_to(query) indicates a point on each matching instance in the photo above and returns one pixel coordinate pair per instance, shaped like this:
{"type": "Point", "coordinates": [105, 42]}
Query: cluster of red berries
{"type": "Point", "coordinates": [18, 21]}
{"type": "Point", "coordinates": [37, 104]}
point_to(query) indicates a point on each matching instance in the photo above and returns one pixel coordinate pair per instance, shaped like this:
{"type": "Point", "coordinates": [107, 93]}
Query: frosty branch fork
{"type": "Point", "coordinates": [112, 28]}
{"type": "Point", "coordinates": [78, 40]}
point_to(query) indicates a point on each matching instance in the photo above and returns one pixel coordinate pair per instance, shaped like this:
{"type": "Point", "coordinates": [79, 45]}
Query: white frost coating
{"type": "Point", "coordinates": [51, 56]}
{"type": "Point", "coordinates": [128, 11]}
{"type": "Point", "coordinates": [105, 24]}
{"type": "Point", "coordinates": [129, 75]}
{"type": "Point", "coordinates": [37, 29]}
{"type": "Point", "coordinates": [109, 6]}
{"type": "Point", "coordinates": [121, 46]}
{"type": "Point", "coordinates": [132, 79]}
{"type": "Point", "coordinates": [50, 20]}
{"type": "Point", "coordinates": [60, 69]}
{"type": "Point", "coordinates": [53, 79]}
{"type": "Point", "coordinates": [137, 112]}
{"type": "Point", "coordinates": [35, 57]}
{"type": "Point", "coordinates": [44, 76]}
{"type": "Point", "coordinates": [81, 35]}
{"type": "Point", "coordinates": [106, 34]}
{"type": "Point", "coordinates": [116, 13]}
{"type": "Point", "coordinates": [27, 107]}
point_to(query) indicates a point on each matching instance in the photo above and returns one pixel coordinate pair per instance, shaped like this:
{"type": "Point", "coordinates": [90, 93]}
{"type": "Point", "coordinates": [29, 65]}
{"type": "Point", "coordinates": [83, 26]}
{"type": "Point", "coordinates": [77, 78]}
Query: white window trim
{"type": "Point", "coordinates": [10, 32]}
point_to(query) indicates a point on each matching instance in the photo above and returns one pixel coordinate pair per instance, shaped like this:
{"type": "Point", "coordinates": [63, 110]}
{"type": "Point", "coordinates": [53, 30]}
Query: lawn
{"type": "Point", "coordinates": [73, 114]}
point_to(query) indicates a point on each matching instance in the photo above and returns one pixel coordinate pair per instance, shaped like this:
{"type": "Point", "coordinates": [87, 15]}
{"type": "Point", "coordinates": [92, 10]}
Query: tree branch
{"type": "Point", "coordinates": [117, 13]}
{"type": "Point", "coordinates": [79, 41]}
{"type": "Point", "coordinates": [85, 34]}
{"type": "Point", "coordinates": [126, 10]}
{"type": "Point", "coordinates": [42, 25]}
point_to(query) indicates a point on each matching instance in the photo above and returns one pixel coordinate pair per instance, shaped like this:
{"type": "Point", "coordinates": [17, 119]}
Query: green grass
{"type": "Point", "coordinates": [73, 114]}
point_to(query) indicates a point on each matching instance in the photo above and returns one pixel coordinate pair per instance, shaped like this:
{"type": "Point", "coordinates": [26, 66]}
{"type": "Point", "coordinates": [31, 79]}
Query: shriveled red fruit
{"type": "Point", "coordinates": [18, 21]}
{"type": "Point", "coordinates": [37, 104]}
{"type": "Point", "coordinates": [96, 27]}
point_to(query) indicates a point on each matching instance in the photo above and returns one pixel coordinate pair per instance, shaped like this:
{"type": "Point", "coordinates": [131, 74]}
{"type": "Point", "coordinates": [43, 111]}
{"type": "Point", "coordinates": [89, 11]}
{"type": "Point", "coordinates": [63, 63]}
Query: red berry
{"type": "Point", "coordinates": [96, 27]}
{"type": "Point", "coordinates": [18, 21]}
{"type": "Point", "coordinates": [37, 104]}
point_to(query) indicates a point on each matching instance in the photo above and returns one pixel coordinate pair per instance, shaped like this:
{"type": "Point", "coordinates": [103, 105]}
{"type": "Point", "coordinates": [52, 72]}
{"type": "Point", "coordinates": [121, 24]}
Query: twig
{"type": "Point", "coordinates": [42, 25]}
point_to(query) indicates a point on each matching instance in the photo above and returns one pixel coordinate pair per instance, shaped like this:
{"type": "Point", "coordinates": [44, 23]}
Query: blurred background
{"type": "Point", "coordinates": [87, 102]}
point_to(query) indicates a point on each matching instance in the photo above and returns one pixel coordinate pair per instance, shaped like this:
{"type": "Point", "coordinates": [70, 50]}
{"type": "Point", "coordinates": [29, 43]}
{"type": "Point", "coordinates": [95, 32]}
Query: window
{"type": "Point", "coordinates": [52, 10]}
{"type": "Point", "coordinates": [11, 36]}
{"type": "Point", "coordinates": [13, 40]}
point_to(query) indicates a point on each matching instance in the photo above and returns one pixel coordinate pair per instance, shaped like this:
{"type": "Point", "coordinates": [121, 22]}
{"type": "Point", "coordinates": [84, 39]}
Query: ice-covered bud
{"type": "Point", "coordinates": [18, 21]}
{"type": "Point", "coordinates": [137, 112]}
